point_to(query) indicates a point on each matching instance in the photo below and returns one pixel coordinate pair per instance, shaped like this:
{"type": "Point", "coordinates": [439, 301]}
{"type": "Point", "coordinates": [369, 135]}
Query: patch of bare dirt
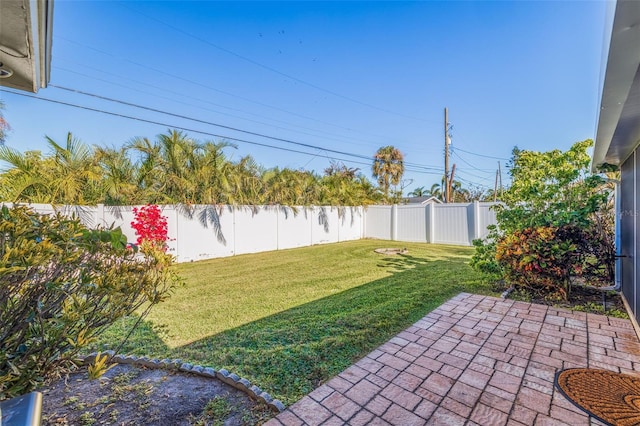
{"type": "Point", "coordinates": [134, 395]}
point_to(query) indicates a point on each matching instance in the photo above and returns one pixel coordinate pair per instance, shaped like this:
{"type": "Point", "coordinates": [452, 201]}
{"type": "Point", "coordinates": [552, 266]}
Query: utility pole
{"type": "Point", "coordinates": [500, 173]}
{"type": "Point", "coordinates": [495, 186]}
{"type": "Point", "coordinates": [445, 188]}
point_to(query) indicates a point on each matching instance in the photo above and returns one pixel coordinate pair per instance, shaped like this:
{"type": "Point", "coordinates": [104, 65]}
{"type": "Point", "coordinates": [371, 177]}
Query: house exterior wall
{"type": "Point", "coordinates": [629, 230]}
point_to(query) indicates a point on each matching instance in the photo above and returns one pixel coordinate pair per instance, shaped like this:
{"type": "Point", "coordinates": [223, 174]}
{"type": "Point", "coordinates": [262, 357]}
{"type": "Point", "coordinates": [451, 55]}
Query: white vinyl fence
{"type": "Point", "coordinates": [455, 223]}
{"type": "Point", "coordinates": [205, 232]}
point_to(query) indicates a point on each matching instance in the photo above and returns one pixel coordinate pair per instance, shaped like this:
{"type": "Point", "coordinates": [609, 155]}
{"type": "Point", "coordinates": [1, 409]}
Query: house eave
{"type": "Point", "coordinates": [618, 129]}
{"type": "Point", "coordinates": [25, 43]}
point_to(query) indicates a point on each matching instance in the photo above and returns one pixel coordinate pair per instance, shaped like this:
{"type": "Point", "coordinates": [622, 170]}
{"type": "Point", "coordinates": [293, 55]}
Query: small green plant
{"type": "Point", "coordinates": [87, 419]}
{"type": "Point", "coordinates": [218, 408]}
{"type": "Point", "coordinates": [99, 366]}
{"type": "Point", "coordinates": [259, 414]}
{"type": "Point", "coordinates": [124, 378]}
{"type": "Point", "coordinates": [214, 413]}
{"type": "Point", "coordinates": [72, 400]}
{"type": "Point", "coordinates": [598, 308]}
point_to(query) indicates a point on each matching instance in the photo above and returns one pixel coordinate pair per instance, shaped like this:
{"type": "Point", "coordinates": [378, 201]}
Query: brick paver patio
{"type": "Point", "coordinates": [475, 360]}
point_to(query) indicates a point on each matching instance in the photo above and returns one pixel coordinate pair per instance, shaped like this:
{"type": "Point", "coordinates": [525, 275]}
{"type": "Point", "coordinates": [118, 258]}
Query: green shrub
{"type": "Point", "coordinates": [537, 259]}
{"type": "Point", "coordinates": [61, 285]}
{"type": "Point", "coordinates": [484, 257]}
{"type": "Point", "coordinates": [555, 221]}
{"type": "Point", "coordinates": [544, 259]}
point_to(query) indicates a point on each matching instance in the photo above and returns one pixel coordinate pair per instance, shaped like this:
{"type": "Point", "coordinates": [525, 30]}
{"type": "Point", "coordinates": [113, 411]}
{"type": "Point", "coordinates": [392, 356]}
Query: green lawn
{"type": "Point", "coordinates": [290, 320]}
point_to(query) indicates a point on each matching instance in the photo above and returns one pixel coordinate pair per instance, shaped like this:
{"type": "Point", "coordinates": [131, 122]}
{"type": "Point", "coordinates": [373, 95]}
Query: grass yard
{"type": "Point", "coordinates": [290, 320]}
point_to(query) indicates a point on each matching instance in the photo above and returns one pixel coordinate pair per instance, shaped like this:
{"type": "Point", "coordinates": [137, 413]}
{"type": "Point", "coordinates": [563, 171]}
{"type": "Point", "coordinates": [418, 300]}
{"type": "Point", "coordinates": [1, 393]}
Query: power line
{"type": "Point", "coordinates": [268, 68]}
{"type": "Point", "coordinates": [193, 82]}
{"type": "Point", "coordinates": [93, 95]}
{"type": "Point", "coordinates": [469, 164]}
{"type": "Point", "coordinates": [411, 169]}
{"type": "Point", "coordinates": [481, 155]}
{"type": "Point", "coordinates": [164, 89]}
{"type": "Point", "coordinates": [199, 84]}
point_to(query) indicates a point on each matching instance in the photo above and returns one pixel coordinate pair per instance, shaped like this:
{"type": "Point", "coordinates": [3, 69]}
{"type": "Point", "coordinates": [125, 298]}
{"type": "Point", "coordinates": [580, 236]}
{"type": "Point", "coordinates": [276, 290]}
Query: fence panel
{"type": "Point", "coordinates": [294, 229]}
{"type": "Point", "coordinates": [412, 223]}
{"type": "Point", "coordinates": [378, 222]}
{"type": "Point", "coordinates": [453, 224]}
{"type": "Point", "coordinates": [255, 229]}
{"type": "Point", "coordinates": [324, 226]}
{"type": "Point", "coordinates": [487, 217]}
{"type": "Point", "coordinates": [351, 225]}
{"type": "Point", "coordinates": [207, 232]}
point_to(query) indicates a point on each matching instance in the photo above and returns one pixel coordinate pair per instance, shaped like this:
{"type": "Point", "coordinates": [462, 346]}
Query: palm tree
{"type": "Point", "coordinates": [458, 193]}
{"type": "Point", "coordinates": [26, 177]}
{"type": "Point", "coordinates": [418, 192]}
{"type": "Point", "coordinates": [119, 177]}
{"type": "Point", "coordinates": [435, 191]}
{"type": "Point", "coordinates": [388, 168]}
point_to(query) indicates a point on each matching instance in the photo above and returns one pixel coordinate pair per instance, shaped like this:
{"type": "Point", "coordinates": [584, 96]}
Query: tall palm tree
{"type": "Point", "coordinates": [388, 167]}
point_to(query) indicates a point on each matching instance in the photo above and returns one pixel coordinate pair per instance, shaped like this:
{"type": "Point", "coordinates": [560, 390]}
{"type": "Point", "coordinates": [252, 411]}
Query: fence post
{"type": "Point", "coordinates": [99, 216]}
{"type": "Point", "coordinates": [476, 220]}
{"type": "Point", "coordinates": [394, 222]}
{"type": "Point", "coordinates": [431, 222]}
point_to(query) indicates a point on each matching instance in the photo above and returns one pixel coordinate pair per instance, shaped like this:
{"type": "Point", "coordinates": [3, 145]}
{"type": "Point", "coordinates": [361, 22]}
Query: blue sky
{"type": "Point", "coordinates": [336, 76]}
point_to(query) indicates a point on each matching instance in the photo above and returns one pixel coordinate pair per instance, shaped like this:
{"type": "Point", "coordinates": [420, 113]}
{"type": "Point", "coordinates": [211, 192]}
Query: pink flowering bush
{"type": "Point", "coordinates": [150, 226]}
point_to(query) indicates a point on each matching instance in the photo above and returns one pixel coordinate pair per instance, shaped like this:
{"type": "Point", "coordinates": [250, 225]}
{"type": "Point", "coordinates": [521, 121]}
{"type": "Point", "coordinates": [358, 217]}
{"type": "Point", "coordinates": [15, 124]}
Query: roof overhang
{"type": "Point", "coordinates": [25, 43]}
{"type": "Point", "coordinates": [618, 130]}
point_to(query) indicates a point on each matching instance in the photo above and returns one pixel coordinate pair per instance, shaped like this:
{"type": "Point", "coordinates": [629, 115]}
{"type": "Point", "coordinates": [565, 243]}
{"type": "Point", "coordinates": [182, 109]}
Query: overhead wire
{"type": "Point", "coordinates": [455, 154]}
{"type": "Point", "coordinates": [332, 135]}
{"type": "Point", "coordinates": [481, 155]}
{"type": "Point", "coordinates": [267, 67]}
{"type": "Point", "coordinates": [224, 92]}
{"type": "Point", "coordinates": [196, 83]}
{"type": "Point", "coordinates": [236, 129]}
{"type": "Point", "coordinates": [224, 137]}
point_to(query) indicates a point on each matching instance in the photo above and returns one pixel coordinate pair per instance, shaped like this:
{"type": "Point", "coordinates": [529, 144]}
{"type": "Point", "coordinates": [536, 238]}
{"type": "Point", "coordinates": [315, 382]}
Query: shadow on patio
{"type": "Point", "coordinates": [475, 360]}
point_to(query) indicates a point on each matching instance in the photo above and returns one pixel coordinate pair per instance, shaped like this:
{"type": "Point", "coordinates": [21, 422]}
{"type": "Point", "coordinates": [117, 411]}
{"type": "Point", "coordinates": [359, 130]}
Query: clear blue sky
{"type": "Point", "coordinates": [343, 76]}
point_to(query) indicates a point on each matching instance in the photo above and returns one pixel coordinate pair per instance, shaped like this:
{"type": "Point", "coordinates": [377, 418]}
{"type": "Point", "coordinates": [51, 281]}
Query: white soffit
{"type": "Point", "coordinates": [25, 43]}
{"type": "Point", "coordinates": [618, 131]}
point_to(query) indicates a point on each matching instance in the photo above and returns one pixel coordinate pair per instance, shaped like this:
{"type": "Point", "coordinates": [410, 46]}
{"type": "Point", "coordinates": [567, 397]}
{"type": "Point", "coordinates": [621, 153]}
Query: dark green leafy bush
{"type": "Point", "coordinates": [544, 259]}
{"type": "Point", "coordinates": [555, 222]}
{"type": "Point", "coordinates": [61, 285]}
{"type": "Point", "coordinates": [540, 259]}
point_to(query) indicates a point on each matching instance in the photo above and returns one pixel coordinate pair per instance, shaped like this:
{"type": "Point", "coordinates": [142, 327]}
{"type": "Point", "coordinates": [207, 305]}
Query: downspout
{"type": "Point", "coordinates": [617, 284]}
{"type": "Point", "coordinates": [617, 238]}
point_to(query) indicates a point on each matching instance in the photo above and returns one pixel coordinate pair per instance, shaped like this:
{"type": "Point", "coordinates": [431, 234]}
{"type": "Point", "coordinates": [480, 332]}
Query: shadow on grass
{"type": "Point", "coordinates": [290, 353]}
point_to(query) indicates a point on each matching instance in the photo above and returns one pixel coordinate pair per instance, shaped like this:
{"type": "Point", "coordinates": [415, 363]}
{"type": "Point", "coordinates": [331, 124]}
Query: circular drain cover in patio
{"type": "Point", "coordinates": [610, 397]}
